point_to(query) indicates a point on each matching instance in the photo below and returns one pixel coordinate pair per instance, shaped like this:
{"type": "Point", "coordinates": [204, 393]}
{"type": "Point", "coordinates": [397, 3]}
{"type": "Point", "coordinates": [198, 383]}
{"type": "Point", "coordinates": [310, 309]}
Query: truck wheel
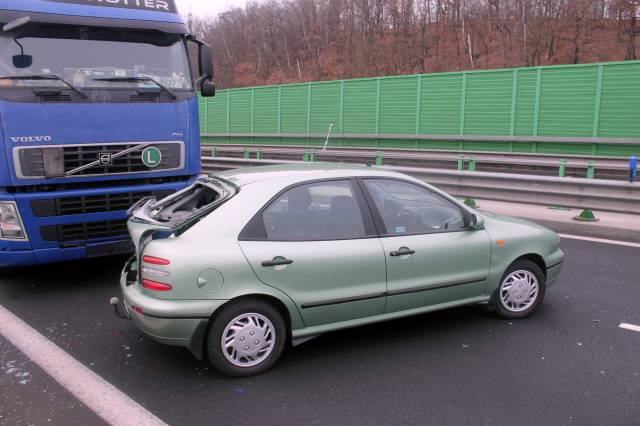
{"type": "Point", "coordinates": [521, 290]}
{"type": "Point", "coordinates": [246, 338]}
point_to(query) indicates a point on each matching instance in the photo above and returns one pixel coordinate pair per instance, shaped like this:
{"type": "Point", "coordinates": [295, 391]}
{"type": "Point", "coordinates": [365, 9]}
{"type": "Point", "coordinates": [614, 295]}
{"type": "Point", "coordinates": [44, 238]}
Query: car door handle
{"type": "Point", "coordinates": [278, 260]}
{"type": "Point", "coordinates": [402, 251]}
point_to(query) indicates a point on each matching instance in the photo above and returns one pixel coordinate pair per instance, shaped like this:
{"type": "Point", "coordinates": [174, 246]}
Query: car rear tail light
{"type": "Point", "coordinates": [155, 272]}
{"type": "Point", "coordinates": [10, 223]}
{"type": "Point", "coordinates": [156, 285]}
{"type": "Point", "coordinates": [155, 260]}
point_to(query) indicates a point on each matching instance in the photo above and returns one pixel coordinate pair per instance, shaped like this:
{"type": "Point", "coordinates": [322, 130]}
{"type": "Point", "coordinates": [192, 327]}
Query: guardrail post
{"type": "Point", "coordinates": [213, 151]}
{"type": "Point", "coordinates": [586, 215]}
{"type": "Point", "coordinates": [460, 162]}
{"type": "Point", "coordinates": [246, 154]}
{"type": "Point", "coordinates": [562, 172]}
{"type": "Point", "coordinates": [633, 168]}
{"type": "Point", "coordinates": [379, 157]}
{"type": "Point", "coordinates": [472, 164]}
{"type": "Point", "coordinates": [305, 155]}
{"type": "Point", "coordinates": [591, 170]}
{"type": "Point", "coordinates": [259, 154]}
{"type": "Point", "coordinates": [470, 202]}
{"type": "Point", "coordinates": [312, 156]}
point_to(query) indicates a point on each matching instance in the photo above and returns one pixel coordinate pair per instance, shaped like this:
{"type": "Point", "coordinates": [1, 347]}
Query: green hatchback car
{"type": "Point", "coordinates": [244, 262]}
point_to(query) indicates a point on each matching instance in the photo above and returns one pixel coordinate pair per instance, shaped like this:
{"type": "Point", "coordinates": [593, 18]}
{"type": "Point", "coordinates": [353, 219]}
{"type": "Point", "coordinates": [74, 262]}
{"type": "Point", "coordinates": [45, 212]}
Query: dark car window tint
{"type": "Point", "coordinates": [407, 208]}
{"type": "Point", "coordinates": [315, 211]}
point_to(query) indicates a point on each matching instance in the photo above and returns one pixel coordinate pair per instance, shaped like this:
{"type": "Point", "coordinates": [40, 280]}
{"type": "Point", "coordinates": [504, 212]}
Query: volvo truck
{"type": "Point", "coordinates": [98, 109]}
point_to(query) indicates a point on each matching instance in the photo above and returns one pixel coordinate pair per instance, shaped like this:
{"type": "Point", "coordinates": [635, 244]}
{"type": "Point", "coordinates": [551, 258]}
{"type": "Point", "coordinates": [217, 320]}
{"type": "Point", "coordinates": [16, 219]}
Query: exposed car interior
{"type": "Point", "coordinates": [187, 203]}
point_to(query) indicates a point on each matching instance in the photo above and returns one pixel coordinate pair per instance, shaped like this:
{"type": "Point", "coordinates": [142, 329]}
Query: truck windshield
{"type": "Point", "coordinates": [100, 58]}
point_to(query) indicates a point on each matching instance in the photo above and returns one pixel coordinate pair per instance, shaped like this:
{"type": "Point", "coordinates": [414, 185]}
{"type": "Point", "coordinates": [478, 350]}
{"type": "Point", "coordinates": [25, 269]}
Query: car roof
{"type": "Point", "coordinates": [298, 172]}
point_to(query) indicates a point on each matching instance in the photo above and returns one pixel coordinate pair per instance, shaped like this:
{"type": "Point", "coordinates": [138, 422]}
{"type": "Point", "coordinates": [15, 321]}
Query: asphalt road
{"type": "Point", "coordinates": [570, 363]}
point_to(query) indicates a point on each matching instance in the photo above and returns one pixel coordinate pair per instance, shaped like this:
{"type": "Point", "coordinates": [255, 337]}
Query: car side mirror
{"type": "Point", "coordinates": [207, 89]}
{"type": "Point", "coordinates": [476, 221]}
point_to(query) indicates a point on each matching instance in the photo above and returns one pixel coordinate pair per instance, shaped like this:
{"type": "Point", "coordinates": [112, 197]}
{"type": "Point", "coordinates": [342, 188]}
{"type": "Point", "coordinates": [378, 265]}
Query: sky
{"type": "Point", "coordinates": [207, 7]}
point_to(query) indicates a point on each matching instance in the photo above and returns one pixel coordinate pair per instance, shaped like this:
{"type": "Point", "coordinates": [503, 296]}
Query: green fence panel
{"type": "Point", "coordinates": [525, 103]}
{"type": "Point", "coordinates": [360, 106]}
{"type": "Point", "coordinates": [620, 101]}
{"type": "Point", "coordinates": [567, 101]}
{"type": "Point", "coordinates": [488, 103]}
{"type": "Point", "coordinates": [217, 112]}
{"type": "Point", "coordinates": [591, 100]}
{"type": "Point", "coordinates": [240, 111]}
{"type": "Point", "coordinates": [265, 109]}
{"type": "Point", "coordinates": [325, 107]}
{"type": "Point", "coordinates": [440, 104]}
{"type": "Point", "coordinates": [293, 109]}
{"type": "Point", "coordinates": [398, 97]}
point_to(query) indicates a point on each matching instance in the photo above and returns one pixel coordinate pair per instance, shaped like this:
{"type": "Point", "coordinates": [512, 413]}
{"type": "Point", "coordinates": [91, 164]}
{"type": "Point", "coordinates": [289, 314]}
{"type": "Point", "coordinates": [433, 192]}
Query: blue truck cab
{"type": "Point", "coordinates": [98, 109]}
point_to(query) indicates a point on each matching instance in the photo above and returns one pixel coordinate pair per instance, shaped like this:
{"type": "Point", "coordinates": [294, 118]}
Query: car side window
{"type": "Point", "coordinates": [326, 210]}
{"type": "Point", "coordinates": [407, 208]}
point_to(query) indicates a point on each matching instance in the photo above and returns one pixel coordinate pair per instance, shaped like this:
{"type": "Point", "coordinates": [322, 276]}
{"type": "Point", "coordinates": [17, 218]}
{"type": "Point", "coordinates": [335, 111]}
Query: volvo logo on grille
{"type": "Point", "coordinates": [105, 158]}
{"type": "Point", "coordinates": [30, 138]}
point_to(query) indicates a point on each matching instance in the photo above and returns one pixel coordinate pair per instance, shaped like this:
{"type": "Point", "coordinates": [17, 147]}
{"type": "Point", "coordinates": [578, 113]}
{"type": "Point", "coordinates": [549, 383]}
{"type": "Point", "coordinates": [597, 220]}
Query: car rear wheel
{"type": "Point", "coordinates": [246, 338]}
{"type": "Point", "coordinates": [521, 290]}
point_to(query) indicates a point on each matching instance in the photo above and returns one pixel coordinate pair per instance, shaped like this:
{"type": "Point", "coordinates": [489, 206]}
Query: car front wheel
{"type": "Point", "coordinates": [246, 338]}
{"type": "Point", "coordinates": [521, 290]}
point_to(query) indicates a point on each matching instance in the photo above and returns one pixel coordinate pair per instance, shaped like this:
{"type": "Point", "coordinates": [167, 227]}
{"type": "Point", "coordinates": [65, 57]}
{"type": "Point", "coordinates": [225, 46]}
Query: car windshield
{"type": "Point", "coordinates": [89, 57]}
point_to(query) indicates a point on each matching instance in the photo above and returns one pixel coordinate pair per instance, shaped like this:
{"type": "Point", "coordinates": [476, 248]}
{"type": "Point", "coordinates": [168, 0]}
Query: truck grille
{"type": "Point", "coordinates": [91, 203]}
{"type": "Point", "coordinates": [84, 231]}
{"type": "Point", "coordinates": [56, 161]}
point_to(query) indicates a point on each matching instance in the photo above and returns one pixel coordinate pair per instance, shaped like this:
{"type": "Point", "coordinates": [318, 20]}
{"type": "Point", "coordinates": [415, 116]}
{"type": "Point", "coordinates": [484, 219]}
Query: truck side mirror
{"type": "Point", "coordinates": [207, 89]}
{"type": "Point", "coordinates": [205, 62]}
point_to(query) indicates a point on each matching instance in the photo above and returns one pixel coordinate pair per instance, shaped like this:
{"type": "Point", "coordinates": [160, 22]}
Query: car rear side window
{"type": "Point", "coordinates": [326, 210]}
{"type": "Point", "coordinates": [407, 208]}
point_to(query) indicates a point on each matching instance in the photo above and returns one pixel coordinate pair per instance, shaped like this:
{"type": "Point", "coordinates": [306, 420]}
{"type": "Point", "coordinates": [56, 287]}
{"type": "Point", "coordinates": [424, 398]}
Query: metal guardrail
{"type": "Point", "coordinates": [595, 194]}
{"type": "Point", "coordinates": [535, 164]}
{"type": "Point", "coordinates": [412, 136]}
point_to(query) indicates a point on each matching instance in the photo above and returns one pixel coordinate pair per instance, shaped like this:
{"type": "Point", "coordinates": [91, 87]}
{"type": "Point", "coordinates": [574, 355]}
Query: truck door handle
{"type": "Point", "coordinates": [278, 260]}
{"type": "Point", "coordinates": [402, 251]}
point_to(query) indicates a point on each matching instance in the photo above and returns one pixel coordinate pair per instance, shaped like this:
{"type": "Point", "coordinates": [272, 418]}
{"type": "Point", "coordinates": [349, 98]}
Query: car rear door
{"type": "Point", "coordinates": [432, 256]}
{"type": "Point", "coordinates": [316, 242]}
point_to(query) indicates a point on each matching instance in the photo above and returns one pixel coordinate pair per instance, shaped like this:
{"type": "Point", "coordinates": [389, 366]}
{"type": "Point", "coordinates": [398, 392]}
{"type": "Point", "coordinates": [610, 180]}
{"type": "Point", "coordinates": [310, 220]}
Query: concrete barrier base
{"type": "Point", "coordinates": [615, 226]}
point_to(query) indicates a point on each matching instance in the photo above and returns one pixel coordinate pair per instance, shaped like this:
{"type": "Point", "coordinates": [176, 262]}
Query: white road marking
{"type": "Point", "coordinates": [600, 240]}
{"type": "Point", "coordinates": [630, 327]}
{"type": "Point", "coordinates": [113, 406]}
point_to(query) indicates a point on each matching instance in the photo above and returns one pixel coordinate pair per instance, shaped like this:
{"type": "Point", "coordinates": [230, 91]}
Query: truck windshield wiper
{"type": "Point", "coordinates": [45, 77]}
{"type": "Point", "coordinates": [136, 79]}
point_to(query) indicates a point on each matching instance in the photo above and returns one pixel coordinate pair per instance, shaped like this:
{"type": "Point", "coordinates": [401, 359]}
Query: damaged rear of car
{"type": "Point", "coordinates": [149, 278]}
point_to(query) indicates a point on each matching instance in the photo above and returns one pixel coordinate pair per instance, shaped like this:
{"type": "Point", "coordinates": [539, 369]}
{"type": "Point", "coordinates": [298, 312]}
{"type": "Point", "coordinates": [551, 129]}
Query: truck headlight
{"type": "Point", "coordinates": [11, 227]}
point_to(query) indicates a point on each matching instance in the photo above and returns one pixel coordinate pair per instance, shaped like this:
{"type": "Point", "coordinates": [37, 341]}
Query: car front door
{"type": "Point", "coordinates": [317, 243]}
{"type": "Point", "coordinates": [432, 256]}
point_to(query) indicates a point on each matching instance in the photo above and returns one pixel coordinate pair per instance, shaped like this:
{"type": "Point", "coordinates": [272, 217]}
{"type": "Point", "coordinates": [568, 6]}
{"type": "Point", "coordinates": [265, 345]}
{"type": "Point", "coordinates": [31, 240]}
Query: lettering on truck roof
{"type": "Point", "coordinates": [151, 5]}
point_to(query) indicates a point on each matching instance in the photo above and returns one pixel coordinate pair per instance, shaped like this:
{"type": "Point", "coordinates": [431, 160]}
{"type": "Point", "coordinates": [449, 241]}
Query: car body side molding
{"type": "Point", "coordinates": [390, 293]}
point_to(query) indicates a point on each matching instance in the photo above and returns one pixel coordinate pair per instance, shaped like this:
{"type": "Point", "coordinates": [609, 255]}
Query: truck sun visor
{"type": "Point", "coordinates": [149, 5]}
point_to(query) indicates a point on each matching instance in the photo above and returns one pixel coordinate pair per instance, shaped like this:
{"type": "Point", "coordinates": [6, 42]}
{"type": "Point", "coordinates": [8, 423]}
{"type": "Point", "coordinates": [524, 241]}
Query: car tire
{"type": "Point", "coordinates": [513, 297]}
{"type": "Point", "coordinates": [253, 334]}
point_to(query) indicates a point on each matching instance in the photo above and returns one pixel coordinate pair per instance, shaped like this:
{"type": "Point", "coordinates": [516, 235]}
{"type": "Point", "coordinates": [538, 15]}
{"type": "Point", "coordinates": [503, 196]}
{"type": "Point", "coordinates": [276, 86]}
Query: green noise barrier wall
{"type": "Point", "coordinates": [568, 109]}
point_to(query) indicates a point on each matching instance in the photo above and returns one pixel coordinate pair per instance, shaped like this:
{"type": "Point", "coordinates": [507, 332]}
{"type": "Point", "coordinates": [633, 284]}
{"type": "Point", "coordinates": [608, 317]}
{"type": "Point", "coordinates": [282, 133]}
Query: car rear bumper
{"type": "Point", "coordinates": [171, 322]}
